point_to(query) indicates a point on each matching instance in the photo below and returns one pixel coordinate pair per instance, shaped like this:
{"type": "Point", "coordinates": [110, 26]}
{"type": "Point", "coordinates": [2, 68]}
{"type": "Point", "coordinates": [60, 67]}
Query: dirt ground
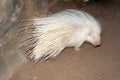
{"type": "Point", "coordinates": [101, 63]}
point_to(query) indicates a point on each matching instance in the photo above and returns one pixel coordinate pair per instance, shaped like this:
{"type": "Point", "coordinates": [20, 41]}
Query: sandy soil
{"type": "Point", "coordinates": [102, 63]}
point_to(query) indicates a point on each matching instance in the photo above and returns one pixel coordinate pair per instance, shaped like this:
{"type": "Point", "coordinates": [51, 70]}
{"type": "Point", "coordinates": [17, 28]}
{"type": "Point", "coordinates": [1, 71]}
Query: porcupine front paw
{"type": "Point", "coordinates": [76, 48]}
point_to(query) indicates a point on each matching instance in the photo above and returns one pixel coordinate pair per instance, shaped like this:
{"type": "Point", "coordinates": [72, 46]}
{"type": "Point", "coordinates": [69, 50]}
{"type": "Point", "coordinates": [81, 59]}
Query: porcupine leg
{"type": "Point", "coordinates": [77, 46]}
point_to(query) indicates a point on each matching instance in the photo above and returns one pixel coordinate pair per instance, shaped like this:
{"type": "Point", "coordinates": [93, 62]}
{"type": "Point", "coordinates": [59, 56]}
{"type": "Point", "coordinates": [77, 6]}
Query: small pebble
{"type": "Point", "coordinates": [35, 78]}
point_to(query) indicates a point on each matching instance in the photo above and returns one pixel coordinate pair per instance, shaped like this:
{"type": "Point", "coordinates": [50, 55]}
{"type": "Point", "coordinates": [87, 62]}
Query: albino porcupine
{"type": "Point", "coordinates": [68, 28]}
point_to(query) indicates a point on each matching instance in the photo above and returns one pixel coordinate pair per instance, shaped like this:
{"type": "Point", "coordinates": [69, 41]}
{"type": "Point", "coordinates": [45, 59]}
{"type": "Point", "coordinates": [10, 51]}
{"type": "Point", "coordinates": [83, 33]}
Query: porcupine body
{"type": "Point", "coordinates": [68, 28]}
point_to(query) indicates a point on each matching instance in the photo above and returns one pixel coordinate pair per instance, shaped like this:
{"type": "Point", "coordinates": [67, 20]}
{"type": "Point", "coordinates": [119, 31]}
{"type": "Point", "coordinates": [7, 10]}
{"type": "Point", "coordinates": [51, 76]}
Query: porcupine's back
{"type": "Point", "coordinates": [70, 16]}
{"type": "Point", "coordinates": [81, 18]}
{"type": "Point", "coordinates": [55, 31]}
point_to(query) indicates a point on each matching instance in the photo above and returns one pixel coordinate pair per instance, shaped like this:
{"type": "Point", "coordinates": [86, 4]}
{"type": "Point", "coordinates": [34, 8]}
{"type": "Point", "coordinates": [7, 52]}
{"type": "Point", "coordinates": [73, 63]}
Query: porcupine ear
{"type": "Point", "coordinates": [51, 40]}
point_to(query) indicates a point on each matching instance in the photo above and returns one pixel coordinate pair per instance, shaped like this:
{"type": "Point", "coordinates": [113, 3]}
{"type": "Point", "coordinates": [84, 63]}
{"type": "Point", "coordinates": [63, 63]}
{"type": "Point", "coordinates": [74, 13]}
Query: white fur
{"type": "Point", "coordinates": [68, 28]}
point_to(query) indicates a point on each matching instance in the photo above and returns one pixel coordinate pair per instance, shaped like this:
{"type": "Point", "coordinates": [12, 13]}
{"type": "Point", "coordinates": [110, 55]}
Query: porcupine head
{"type": "Point", "coordinates": [68, 28]}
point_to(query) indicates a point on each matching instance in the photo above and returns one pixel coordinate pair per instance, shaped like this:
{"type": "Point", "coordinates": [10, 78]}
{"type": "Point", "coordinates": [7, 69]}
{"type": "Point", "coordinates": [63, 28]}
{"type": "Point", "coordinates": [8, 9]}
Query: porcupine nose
{"type": "Point", "coordinates": [97, 43]}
